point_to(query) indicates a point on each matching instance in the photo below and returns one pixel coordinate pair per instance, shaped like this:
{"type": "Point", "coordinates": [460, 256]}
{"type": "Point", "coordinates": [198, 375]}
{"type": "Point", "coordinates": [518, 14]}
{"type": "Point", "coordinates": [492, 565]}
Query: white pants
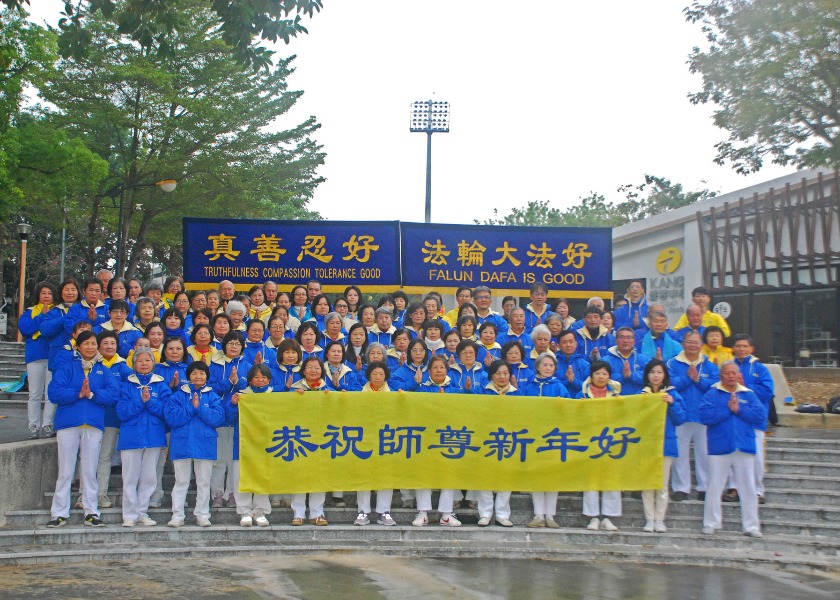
{"type": "Point", "coordinates": [602, 503]}
{"type": "Point", "coordinates": [247, 503]}
{"type": "Point", "coordinates": [545, 503]}
{"type": "Point", "coordinates": [183, 470]}
{"type": "Point", "coordinates": [316, 505]}
{"type": "Point", "coordinates": [759, 464]}
{"type": "Point", "coordinates": [689, 433]}
{"type": "Point", "coordinates": [161, 463]}
{"type": "Point", "coordinates": [655, 502]}
{"type": "Point", "coordinates": [383, 501]}
{"type": "Point", "coordinates": [224, 463]}
{"type": "Point", "coordinates": [39, 378]}
{"type": "Point", "coordinates": [742, 469]}
{"type": "Point", "coordinates": [139, 480]}
{"type": "Point", "coordinates": [103, 470]}
{"type": "Point", "coordinates": [487, 506]}
{"type": "Point", "coordinates": [445, 501]}
{"type": "Point", "coordinates": [73, 442]}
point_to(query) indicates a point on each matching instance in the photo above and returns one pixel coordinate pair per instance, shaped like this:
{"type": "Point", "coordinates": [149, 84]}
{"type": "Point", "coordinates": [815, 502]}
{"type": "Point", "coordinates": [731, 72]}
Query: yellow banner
{"type": "Point", "coordinates": [311, 442]}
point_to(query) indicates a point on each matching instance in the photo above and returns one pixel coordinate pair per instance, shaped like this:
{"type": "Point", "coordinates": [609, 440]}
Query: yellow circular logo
{"type": "Point", "coordinates": [668, 260]}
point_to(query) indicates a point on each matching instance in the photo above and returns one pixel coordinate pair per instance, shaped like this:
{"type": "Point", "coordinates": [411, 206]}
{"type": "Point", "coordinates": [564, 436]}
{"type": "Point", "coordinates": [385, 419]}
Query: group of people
{"type": "Point", "coordinates": [155, 370]}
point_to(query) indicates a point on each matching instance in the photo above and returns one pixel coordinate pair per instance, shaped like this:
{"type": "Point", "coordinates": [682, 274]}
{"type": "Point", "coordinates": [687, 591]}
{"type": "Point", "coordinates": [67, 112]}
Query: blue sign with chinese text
{"type": "Point", "coordinates": [572, 261]}
{"type": "Point", "coordinates": [337, 253]}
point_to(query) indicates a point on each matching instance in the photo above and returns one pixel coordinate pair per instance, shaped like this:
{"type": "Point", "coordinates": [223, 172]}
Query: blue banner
{"type": "Point", "coordinates": [574, 262]}
{"type": "Point", "coordinates": [336, 253]}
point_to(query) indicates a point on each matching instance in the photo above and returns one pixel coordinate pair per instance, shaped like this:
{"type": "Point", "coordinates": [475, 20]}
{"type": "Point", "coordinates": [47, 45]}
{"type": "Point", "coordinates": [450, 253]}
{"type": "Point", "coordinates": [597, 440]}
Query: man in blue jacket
{"type": "Point", "coordinates": [731, 413]}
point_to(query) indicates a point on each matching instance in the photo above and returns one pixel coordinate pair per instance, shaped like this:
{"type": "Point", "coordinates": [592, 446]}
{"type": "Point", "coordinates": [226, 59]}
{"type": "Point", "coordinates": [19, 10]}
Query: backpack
{"type": "Point", "coordinates": [834, 406]}
{"type": "Point", "coordinates": [809, 408]}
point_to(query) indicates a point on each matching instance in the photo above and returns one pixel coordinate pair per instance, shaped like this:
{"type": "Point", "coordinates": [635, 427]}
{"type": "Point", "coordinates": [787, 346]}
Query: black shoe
{"type": "Point", "coordinates": [679, 496]}
{"type": "Point", "coordinates": [701, 495]}
{"type": "Point", "coordinates": [761, 499]}
{"type": "Point", "coordinates": [339, 502]}
{"type": "Point", "coordinates": [92, 520]}
{"type": "Point", "coordinates": [730, 495]}
{"type": "Point", "coordinates": [57, 522]}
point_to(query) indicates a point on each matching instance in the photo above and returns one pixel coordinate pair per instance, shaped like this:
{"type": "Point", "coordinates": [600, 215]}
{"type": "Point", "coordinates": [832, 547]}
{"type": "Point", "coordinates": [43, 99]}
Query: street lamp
{"type": "Point", "coordinates": [167, 185]}
{"type": "Point", "coordinates": [23, 230]}
{"type": "Point", "coordinates": [429, 116]}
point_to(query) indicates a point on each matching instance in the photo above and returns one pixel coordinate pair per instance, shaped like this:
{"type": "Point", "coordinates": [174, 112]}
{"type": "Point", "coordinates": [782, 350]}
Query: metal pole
{"type": "Point", "coordinates": [22, 283]}
{"type": "Point", "coordinates": [119, 269]}
{"type": "Point", "coordinates": [429, 177]}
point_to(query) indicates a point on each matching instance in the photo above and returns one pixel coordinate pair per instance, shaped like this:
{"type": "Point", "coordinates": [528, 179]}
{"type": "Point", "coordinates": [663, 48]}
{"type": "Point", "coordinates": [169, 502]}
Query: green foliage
{"type": "Point", "coordinates": [772, 68]}
{"type": "Point", "coordinates": [656, 195]}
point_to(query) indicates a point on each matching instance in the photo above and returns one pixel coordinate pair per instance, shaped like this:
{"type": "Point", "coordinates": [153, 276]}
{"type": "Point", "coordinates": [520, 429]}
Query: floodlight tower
{"type": "Point", "coordinates": [429, 116]}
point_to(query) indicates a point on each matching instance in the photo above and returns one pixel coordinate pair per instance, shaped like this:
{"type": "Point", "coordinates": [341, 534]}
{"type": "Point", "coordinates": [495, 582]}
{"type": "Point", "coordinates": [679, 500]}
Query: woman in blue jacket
{"type": "Point", "coordinates": [37, 353]}
{"type": "Point", "coordinates": [143, 397]}
{"type": "Point", "coordinates": [52, 327]}
{"type": "Point", "coordinates": [193, 413]}
{"type": "Point", "coordinates": [81, 388]}
{"type": "Point", "coordinates": [656, 381]}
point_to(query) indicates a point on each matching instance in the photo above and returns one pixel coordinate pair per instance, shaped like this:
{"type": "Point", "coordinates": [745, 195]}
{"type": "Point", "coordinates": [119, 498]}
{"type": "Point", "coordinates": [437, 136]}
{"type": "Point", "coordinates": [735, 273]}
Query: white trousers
{"type": "Point", "coordinates": [742, 469]}
{"type": "Point", "coordinates": [602, 503]}
{"type": "Point", "coordinates": [545, 503]}
{"type": "Point", "coordinates": [73, 442]}
{"type": "Point", "coordinates": [183, 469]}
{"type": "Point", "coordinates": [383, 501]}
{"type": "Point", "coordinates": [224, 463]}
{"type": "Point", "coordinates": [103, 470]}
{"type": "Point", "coordinates": [487, 506]}
{"type": "Point", "coordinates": [316, 505]}
{"type": "Point", "coordinates": [139, 480]}
{"type": "Point", "coordinates": [688, 434]}
{"type": "Point", "coordinates": [445, 501]}
{"type": "Point", "coordinates": [247, 503]}
{"type": "Point", "coordinates": [655, 502]}
{"type": "Point", "coordinates": [759, 464]}
{"type": "Point", "coordinates": [39, 377]}
{"type": "Point", "coordinates": [164, 453]}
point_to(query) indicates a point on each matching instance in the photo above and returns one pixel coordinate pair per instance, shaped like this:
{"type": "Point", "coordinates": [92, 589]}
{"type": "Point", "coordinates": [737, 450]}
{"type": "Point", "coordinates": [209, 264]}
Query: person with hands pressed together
{"type": "Point", "coordinates": [627, 364]}
{"type": "Point", "coordinates": [466, 372]}
{"type": "Point", "coordinates": [90, 309]}
{"type": "Point", "coordinates": [37, 355]}
{"type": "Point", "coordinates": [572, 368]}
{"type": "Point", "coordinates": [81, 388]}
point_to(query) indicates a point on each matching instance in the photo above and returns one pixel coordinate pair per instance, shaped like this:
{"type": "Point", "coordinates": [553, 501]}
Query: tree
{"type": "Point", "coordinates": [772, 68]}
{"type": "Point", "coordinates": [656, 195]}
{"type": "Point", "coordinates": [153, 24]}
{"type": "Point", "coordinates": [192, 115]}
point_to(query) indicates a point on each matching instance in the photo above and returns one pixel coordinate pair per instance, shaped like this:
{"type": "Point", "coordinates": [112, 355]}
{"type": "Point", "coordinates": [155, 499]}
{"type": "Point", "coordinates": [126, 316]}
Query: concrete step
{"type": "Point", "coordinates": [785, 443]}
{"type": "Point", "coordinates": [722, 549]}
{"type": "Point", "coordinates": [802, 454]}
{"type": "Point", "coordinates": [803, 468]}
{"type": "Point", "coordinates": [813, 482]}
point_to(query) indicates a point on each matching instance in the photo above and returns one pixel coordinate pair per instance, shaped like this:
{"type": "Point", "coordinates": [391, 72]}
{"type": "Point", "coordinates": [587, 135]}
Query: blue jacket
{"type": "Point", "coordinates": [624, 314]}
{"type": "Point", "coordinates": [383, 337]}
{"type": "Point", "coordinates": [193, 429]}
{"type": "Point", "coordinates": [167, 370]}
{"type": "Point", "coordinates": [586, 343]}
{"type": "Point", "coordinates": [477, 375]}
{"type": "Point", "coordinates": [79, 312]}
{"type": "Point", "coordinates": [143, 424]}
{"type": "Point", "coordinates": [52, 328]}
{"type": "Point", "coordinates": [523, 374]}
{"type": "Point", "coordinates": [728, 432]}
{"type": "Point", "coordinates": [495, 351]}
{"type": "Point", "coordinates": [494, 317]}
{"type": "Point", "coordinates": [403, 377]}
{"type": "Point", "coordinates": [758, 379]}
{"type": "Point", "coordinates": [122, 372]}
{"type": "Point", "coordinates": [232, 413]}
{"type": "Point", "coordinates": [128, 335]}
{"type": "Point", "coordinates": [64, 389]}
{"type": "Point", "coordinates": [679, 334]}
{"type": "Point", "coordinates": [177, 333]}
{"type": "Point", "coordinates": [348, 379]}
{"type": "Point", "coordinates": [132, 309]}
{"type": "Point", "coordinates": [648, 345]}
{"type": "Point", "coordinates": [691, 392]}
{"type": "Point", "coordinates": [674, 417]}
{"type": "Point", "coordinates": [531, 318]}
{"type": "Point", "coordinates": [447, 387]}
{"type": "Point", "coordinates": [580, 370]}
{"type": "Point", "coordinates": [524, 338]}
{"type": "Point", "coordinates": [269, 355]}
{"type": "Point", "coordinates": [489, 388]}
{"type": "Point", "coordinates": [280, 376]}
{"type": "Point", "coordinates": [545, 386]}
{"type": "Point", "coordinates": [39, 348]}
{"type": "Point", "coordinates": [221, 368]}
{"type": "Point", "coordinates": [633, 384]}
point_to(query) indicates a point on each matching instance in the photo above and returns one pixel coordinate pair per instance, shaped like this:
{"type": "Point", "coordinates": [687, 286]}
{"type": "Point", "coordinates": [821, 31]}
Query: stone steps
{"type": "Point", "coordinates": [792, 453]}
{"type": "Point", "coordinates": [790, 467]}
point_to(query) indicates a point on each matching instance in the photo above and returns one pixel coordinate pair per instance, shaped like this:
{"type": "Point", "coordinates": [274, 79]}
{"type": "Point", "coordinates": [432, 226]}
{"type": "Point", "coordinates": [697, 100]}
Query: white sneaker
{"type": "Point", "coordinates": [175, 522]}
{"type": "Point", "coordinates": [707, 531]}
{"type": "Point", "coordinates": [246, 521]}
{"type": "Point", "coordinates": [607, 525]}
{"type": "Point", "coordinates": [503, 522]}
{"type": "Point", "coordinates": [146, 520]}
{"type": "Point", "coordinates": [594, 524]}
{"type": "Point", "coordinates": [648, 528]}
{"type": "Point", "coordinates": [386, 519]}
{"type": "Point", "coordinates": [450, 521]}
{"type": "Point", "coordinates": [551, 523]}
{"type": "Point", "coordinates": [362, 519]}
{"type": "Point", "coordinates": [421, 520]}
{"type": "Point", "coordinates": [261, 521]}
{"type": "Point", "coordinates": [203, 522]}
{"type": "Point", "coordinates": [105, 501]}
{"type": "Point", "coordinates": [537, 521]}
{"type": "Point", "coordinates": [128, 523]}
{"type": "Point", "coordinates": [484, 521]}
{"type": "Point", "coordinates": [659, 527]}
{"type": "Point", "coordinates": [754, 533]}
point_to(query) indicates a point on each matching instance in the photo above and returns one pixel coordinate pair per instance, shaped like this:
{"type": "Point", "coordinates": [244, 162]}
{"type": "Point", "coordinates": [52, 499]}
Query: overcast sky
{"type": "Point", "coordinates": [549, 101]}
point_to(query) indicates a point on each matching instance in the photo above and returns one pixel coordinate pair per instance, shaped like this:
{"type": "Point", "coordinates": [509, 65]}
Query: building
{"type": "Point", "coordinates": [768, 253]}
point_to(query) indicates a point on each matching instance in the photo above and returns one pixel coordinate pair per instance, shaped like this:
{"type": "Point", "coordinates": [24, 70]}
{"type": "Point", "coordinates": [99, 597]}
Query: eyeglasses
{"type": "Point", "coordinates": [482, 297]}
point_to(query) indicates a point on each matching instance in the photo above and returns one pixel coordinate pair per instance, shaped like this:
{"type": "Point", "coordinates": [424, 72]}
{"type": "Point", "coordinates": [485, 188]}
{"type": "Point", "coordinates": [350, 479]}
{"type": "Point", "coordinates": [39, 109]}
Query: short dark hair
{"type": "Point", "coordinates": [597, 365]}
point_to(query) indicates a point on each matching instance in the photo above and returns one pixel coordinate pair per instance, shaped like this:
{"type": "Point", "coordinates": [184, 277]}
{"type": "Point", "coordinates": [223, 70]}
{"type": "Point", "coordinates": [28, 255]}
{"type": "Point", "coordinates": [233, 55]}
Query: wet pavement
{"type": "Point", "coordinates": [367, 577]}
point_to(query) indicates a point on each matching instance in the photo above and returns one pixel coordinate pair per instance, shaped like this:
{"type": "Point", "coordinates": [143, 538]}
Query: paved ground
{"type": "Point", "coordinates": [351, 577]}
{"type": "Point", "coordinates": [15, 426]}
